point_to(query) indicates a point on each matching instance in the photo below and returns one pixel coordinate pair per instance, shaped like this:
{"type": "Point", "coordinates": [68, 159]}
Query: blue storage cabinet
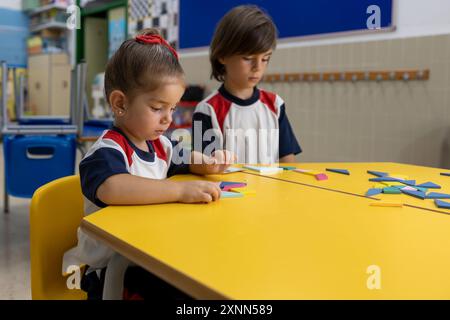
{"type": "Point", "coordinates": [32, 161]}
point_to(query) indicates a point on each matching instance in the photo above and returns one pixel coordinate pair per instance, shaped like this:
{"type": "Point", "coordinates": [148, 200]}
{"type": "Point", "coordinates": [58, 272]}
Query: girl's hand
{"type": "Point", "coordinates": [199, 191]}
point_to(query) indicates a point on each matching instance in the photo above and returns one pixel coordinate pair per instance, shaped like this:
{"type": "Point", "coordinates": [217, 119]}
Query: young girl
{"type": "Point", "coordinates": [240, 117]}
{"type": "Point", "coordinates": [129, 164]}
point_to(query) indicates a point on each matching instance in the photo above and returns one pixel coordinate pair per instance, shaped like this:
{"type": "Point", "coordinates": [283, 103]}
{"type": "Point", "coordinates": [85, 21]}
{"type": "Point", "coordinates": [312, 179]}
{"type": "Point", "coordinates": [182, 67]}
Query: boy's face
{"type": "Point", "coordinates": [245, 71]}
{"type": "Point", "coordinates": [150, 114]}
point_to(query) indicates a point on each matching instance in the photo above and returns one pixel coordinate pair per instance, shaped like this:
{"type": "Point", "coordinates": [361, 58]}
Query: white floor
{"type": "Point", "coordinates": [14, 246]}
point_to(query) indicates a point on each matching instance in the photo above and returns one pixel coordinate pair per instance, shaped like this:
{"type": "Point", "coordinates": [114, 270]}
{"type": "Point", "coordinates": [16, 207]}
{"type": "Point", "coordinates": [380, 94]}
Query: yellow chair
{"type": "Point", "coordinates": [56, 212]}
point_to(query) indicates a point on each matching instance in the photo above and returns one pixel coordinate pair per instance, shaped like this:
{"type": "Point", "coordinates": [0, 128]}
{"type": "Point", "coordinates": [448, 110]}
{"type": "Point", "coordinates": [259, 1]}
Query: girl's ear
{"type": "Point", "coordinates": [117, 100]}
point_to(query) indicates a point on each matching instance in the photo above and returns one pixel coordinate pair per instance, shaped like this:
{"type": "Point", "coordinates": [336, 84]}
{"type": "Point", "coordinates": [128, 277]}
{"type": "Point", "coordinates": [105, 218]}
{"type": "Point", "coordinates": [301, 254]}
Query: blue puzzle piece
{"type": "Point", "coordinates": [378, 173]}
{"type": "Point", "coordinates": [227, 183]}
{"type": "Point", "coordinates": [373, 192]}
{"type": "Point", "coordinates": [341, 171]}
{"type": "Point", "coordinates": [442, 204]}
{"type": "Point", "coordinates": [411, 183]}
{"type": "Point", "coordinates": [386, 179]}
{"type": "Point", "coordinates": [429, 185]}
{"type": "Point", "coordinates": [436, 195]}
{"type": "Point", "coordinates": [417, 194]}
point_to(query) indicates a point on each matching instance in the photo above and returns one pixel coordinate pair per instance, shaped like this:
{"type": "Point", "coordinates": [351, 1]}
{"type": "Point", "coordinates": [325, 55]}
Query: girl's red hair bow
{"type": "Point", "coordinates": [156, 39]}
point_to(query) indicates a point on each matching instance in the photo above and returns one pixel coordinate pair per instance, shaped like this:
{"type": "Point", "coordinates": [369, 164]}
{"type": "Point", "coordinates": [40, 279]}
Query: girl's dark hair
{"type": "Point", "coordinates": [243, 30]}
{"type": "Point", "coordinates": [140, 66]}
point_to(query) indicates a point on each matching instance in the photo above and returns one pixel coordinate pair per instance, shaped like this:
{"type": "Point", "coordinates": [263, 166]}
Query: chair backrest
{"type": "Point", "coordinates": [56, 212]}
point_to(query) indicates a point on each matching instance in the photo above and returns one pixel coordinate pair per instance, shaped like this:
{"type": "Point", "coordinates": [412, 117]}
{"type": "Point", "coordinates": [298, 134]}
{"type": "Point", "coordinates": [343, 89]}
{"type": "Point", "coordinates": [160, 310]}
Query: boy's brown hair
{"type": "Point", "coordinates": [137, 66]}
{"type": "Point", "coordinates": [243, 30]}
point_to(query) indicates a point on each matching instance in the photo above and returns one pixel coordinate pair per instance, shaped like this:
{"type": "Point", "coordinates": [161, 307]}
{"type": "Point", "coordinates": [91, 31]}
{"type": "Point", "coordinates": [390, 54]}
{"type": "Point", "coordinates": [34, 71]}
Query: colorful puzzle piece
{"type": "Point", "coordinates": [436, 195]}
{"type": "Point", "coordinates": [407, 188]}
{"type": "Point", "coordinates": [318, 175]}
{"type": "Point", "coordinates": [341, 171]}
{"type": "Point", "coordinates": [399, 176]}
{"type": "Point", "coordinates": [442, 204]}
{"type": "Point", "coordinates": [411, 183]}
{"type": "Point", "coordinates": [417, 194]}
{"type": "Point", "coordinates": [232, 170]}
{"type": "Point", "coordinates": [264, 170]}
{"type": "Point", "coordinates": [287, 167]}
{"type": "Point", "coordinates": [377, 173]}
{"type": "Point", "coordinates": [392, 190]}
{"type": "Point", "coordinates": [373, 192]}
{"type": "Point", "coordinates": [383, 179]}
{"type": "Point", "coordinates": [228, 194]}
{"type": "Point", "coordinates": [227, 185]}
{"type": "Point", "coordinates": [245, 191]}
{"type": "Point", "coordinates": [429, 185]}
{"type": "Point", "coordinates": [392, 184]}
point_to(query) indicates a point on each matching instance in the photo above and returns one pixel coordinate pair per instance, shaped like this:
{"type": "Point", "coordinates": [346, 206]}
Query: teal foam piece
{"type": "Point", "coordinates": [391, 190]}
{"type": "Point", "coordinates": [378, 173]}
{"type": "Point", "coordinates": [287, 167]}
{"type": "Point", "coordinates": [229, 194]}
{"type": "Point", "coordinates": [442, 204]}
{"type": "Point", "coordinates": [373, 192]}
{"type": "Point", "coordinates": [341, 171]}
{"type": "Point", "coordinates": [429, 185]}
{"type": "Point", "coordinates": [436, 195]}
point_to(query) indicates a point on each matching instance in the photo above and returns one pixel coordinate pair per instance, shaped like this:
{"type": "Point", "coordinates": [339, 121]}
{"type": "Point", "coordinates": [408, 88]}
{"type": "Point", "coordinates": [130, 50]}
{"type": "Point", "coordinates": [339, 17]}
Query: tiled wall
{"type": "Point", "coordinates": [406, 122]}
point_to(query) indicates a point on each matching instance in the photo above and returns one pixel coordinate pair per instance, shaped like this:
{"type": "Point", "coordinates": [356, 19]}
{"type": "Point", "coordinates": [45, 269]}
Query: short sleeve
{"type": "Point", "coordinates": [96, 168]}
{"type": "Point", "coordinates": [205, 121]}
{"type": "Point", "coordinates": [288, 143]}
{"type": "Point", "coordinates": [181, 168]}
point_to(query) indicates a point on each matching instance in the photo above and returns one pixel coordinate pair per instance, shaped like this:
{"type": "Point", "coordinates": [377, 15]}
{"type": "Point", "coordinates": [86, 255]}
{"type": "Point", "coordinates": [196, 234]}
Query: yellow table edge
{"type": "Point", "coordinates": [174, 277]}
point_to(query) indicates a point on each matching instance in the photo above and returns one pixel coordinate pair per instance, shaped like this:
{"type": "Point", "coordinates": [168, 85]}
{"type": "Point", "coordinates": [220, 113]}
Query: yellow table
{"type": "Point", "coordinates": [358, 182]}
{"type": "Point", "coordinates": [289, 241]}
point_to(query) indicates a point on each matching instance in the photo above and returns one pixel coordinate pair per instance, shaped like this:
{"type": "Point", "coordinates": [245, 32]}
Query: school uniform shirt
{"type": "Point", "coordinates": [257, 129]}
{"type": "Point", "coordinates": [113, 153]}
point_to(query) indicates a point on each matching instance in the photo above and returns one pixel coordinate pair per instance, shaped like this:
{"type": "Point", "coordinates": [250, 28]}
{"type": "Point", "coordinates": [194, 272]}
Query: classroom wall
{"type": "Point", "coordinates": [406, 122]}
{"type": "Point", "coordinates": [13, 33]}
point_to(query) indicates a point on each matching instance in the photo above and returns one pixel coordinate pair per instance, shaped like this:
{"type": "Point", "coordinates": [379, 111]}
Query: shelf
{"type": "Point", "coordinates": [47, 8]}
{"type": "Point", "coordinates": [49, 25]}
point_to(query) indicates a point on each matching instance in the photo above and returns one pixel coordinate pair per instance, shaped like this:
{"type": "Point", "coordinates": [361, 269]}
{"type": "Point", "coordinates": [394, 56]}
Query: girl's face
{"type": "Point", "coordinates": [149, 115]}
{"type": "Point", "coordinates": [245, 71]}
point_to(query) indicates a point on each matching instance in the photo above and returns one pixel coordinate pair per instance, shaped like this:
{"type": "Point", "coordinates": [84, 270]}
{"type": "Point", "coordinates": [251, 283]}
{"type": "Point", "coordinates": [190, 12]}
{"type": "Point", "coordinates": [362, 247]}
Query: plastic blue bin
{"type": "Point", "coordinates": [32, 161]}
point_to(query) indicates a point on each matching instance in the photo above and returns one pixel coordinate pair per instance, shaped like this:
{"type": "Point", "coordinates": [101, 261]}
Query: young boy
{"type": "Point", "coordinates": [239, 117]}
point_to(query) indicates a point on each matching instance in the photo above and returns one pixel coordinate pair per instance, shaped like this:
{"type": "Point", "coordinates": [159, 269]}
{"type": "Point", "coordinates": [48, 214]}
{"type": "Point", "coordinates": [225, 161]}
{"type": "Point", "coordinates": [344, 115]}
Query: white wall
{"type": "Point", "coordinates": [11, 4]}
{"type": "Point", "coordinates": [412, 18]}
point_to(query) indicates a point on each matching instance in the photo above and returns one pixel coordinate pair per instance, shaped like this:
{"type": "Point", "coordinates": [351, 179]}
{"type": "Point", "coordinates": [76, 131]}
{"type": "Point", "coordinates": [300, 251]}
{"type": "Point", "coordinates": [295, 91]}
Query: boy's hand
{"type": "Point", "coordinates": [217, 163]}
{"type": "Point", "coordinates": [199, 191]}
